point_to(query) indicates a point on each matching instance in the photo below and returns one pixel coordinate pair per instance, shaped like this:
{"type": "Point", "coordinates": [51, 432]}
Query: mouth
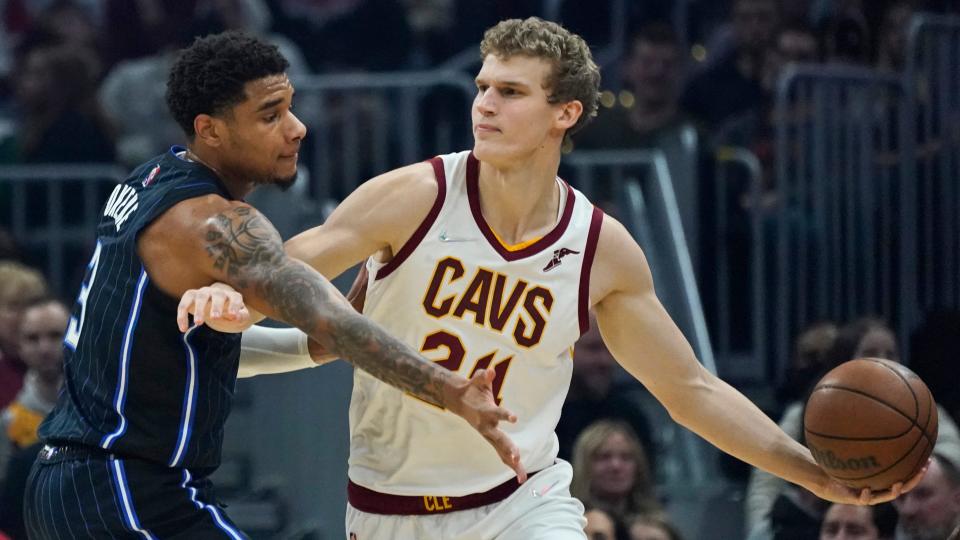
{"type": "Point", "coordinates": [486, 128]}
{"type": "Point", "coordinates": [288, 157]}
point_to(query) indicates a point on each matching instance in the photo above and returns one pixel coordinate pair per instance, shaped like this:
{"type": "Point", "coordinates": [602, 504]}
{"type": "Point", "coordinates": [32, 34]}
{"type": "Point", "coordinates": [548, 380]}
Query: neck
{"type": "Point", "coordinates": [521, 201]}
{"type": "Point", "coordinates": [238, 185]}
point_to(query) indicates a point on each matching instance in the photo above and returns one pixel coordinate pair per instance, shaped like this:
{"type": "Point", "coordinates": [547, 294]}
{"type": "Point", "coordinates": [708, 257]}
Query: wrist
{"type": "Point", "coordinates": [451, 388]}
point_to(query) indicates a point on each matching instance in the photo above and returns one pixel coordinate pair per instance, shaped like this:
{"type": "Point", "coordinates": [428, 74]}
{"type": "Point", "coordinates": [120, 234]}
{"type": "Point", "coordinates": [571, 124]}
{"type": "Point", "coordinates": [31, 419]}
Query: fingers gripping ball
{"type": "Point", "coordinates": [871, 423]}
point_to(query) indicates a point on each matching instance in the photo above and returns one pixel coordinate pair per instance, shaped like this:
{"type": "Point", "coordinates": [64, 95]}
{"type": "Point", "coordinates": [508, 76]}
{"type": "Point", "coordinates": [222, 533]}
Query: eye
{"type": "Point", "coordinates": [508, 91]}
{"type": "Point", "coordinates": [273, 117]}
{"type": "Point", "coordinates": [482, 88]}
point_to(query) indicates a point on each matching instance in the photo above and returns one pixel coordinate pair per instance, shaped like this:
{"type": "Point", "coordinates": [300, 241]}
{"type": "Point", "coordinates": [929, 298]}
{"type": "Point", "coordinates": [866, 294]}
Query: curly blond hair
{"type": "Point", "coordinates": [575, 76]}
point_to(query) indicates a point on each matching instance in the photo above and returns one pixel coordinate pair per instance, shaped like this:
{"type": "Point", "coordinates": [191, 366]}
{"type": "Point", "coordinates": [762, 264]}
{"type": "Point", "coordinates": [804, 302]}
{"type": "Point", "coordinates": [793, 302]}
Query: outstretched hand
{"type": "Point", "coordinates": [218, 305]}
{"type": "Point", "coordinates": [837, 492]}
{"type": "Point", "coordinates": [474, 402]}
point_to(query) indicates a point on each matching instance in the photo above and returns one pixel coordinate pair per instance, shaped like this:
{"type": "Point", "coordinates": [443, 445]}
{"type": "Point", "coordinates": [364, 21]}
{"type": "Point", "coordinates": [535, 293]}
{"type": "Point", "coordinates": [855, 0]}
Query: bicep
{"type": "Point", "coordinates": [637, 329]}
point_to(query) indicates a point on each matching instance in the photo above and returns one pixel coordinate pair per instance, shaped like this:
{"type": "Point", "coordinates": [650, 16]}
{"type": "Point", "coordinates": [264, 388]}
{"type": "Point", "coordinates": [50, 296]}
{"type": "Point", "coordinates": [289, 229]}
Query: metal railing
{"type": "Point", "coordinates": [52, 211]}
{"type": "Point", "coordinates": [930, 232]}
{"type": "Point", "coordinates": [729, 239]}
{"type": "Point", "coordinates": [836, 211]}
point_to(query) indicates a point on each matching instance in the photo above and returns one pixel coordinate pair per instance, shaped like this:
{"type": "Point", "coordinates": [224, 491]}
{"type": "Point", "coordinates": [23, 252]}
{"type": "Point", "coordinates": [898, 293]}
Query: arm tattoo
{"type": "Point", "coordinates": [248, 252]}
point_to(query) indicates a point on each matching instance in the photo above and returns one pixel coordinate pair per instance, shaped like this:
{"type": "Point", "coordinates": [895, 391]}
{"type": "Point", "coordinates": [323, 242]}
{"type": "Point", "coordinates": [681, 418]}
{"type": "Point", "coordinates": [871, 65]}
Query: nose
{"type": "Point", "coordinates": [485, 103]}
{"type": "Point", "coordinates": [298, 129]}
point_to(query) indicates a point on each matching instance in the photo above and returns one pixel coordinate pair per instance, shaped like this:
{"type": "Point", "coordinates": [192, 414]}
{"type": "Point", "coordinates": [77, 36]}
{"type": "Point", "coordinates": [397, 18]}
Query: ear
{"type": "Point", "coordinates": [568, 113]}
{"type": "Point", "coordinates": [209, 130]}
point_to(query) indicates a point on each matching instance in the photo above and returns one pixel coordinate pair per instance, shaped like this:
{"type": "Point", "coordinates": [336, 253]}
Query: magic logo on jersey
{"type": "Point", "coordinates": [491, 299]}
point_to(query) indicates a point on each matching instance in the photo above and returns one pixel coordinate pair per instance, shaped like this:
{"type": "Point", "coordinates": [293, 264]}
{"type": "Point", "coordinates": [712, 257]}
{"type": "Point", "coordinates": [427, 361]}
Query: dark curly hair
{"type": "Point", "coordinates": [209, 75]}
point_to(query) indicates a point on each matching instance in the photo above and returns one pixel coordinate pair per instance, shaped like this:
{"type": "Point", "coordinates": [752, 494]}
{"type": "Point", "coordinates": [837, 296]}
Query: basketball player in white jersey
{"type": "Point", "coordinates": [487, 260]}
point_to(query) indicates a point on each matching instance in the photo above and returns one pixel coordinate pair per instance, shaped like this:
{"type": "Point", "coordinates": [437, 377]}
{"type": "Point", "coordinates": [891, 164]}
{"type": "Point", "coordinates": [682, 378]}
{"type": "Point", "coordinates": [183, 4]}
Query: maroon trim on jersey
{"type": "Point", "coordinates": [374, 502]}
{"type": "Point", "coordinates": [473, 194]}
{"type": "Point", "coordinates": [591, 249]}
{"type": "Point", "coordinates": [417, 237]}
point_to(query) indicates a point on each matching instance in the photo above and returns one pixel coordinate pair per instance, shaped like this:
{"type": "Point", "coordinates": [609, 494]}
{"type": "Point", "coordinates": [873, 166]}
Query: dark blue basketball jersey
{"type": "Point", "coordinates": [135, 385]}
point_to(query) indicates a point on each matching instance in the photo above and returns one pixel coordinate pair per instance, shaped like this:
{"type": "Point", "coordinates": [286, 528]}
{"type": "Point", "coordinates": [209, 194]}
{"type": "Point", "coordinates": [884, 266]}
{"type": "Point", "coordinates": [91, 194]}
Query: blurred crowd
{"type": "Point", "coordinates": [83, 81]}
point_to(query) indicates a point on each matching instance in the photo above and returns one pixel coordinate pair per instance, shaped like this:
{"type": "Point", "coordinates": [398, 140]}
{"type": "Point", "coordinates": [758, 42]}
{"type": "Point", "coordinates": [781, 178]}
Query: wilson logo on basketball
{"type": "Point", "coordinates": [558, 254]}
{"type": "Point", "coordinates": [830, 461]}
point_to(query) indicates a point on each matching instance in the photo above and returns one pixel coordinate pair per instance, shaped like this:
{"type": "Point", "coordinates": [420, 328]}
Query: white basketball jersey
{"type": "Point", "coordinates": [455, 293]}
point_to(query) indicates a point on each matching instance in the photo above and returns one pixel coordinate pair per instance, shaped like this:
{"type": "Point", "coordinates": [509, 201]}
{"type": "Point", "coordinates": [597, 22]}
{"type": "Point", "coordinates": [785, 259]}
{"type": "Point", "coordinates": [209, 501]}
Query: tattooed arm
{"type": "Point", "coordinates": [237, 245]}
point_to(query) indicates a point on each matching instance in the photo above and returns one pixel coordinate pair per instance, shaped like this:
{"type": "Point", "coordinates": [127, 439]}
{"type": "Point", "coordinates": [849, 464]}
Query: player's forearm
{"type": "Point", "coordinates": [731, 422]}
{"type": "Point", "coordinates": [301, 297]}
{"type": "Point", "coordinates": [248, 255]}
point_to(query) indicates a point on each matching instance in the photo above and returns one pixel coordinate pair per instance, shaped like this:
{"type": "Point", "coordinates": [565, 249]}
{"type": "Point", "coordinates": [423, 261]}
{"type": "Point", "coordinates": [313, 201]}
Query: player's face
{"type": "Point", "coordinates": [512, 118]}
{"type": "Point", "coordinates": [41, 339]}
{"type": "Point", "coordinates": [930, 510]}
{"type": "Point", "coordinates": [613, 468]}
{"type": "Point", "coordinates": [847, 522]}
{"type": "Point", "coordinates": [264, 135]}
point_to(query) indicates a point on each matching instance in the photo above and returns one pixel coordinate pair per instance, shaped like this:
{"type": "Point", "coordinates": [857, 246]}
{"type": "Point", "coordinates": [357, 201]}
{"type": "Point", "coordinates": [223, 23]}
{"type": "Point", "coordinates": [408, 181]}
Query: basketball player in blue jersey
{"type": "Point", "coordinates": [487, 260]}
{"type": "Point", "coordinates": [138, 428]}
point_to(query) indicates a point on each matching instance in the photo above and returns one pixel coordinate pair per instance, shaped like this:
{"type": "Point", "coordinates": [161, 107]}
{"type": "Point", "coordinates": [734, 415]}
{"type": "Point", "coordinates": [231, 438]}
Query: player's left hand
{"type": "Point", "coordinates": [474, 402]}
{"type": "Point", "coordinates": [218, 305]}
{"type": "Point", "coordinates": [837, 492]}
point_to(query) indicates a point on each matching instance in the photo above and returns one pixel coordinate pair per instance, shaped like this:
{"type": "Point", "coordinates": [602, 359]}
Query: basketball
{"type": "Point", "coordinates": [871, 423]}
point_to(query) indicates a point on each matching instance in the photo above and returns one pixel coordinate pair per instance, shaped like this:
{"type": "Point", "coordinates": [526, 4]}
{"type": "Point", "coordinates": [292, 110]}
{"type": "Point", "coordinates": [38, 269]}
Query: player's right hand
{"type": "Point", "coordinates": [218, 305]}
{"type": "Point", "coordinates": [474, 402]}
{"type": "Point", "coordinates": [836, 492]}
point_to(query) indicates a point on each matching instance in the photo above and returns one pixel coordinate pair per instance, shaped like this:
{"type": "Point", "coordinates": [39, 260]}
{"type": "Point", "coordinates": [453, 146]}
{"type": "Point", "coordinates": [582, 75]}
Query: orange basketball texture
{"type": "Point", "coordinates": [871, 423]}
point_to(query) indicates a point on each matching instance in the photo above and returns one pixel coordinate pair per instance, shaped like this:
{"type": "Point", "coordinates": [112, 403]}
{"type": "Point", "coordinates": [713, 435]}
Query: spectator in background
{"type": "Point", "coordinates": [732, 84]}
{"type": "Point", "coordinates": [41, 348]}
{"type": "Point", "coordinates": [652, 526]}
{"type": "Point", "coordinates": [849, 522]}
{"type": "Point", "coordinates": [610, 471]}
{"type": "Point", "coordinates": [20, 285]}
{"type": "Point", "coordinates": [593, 396]}
{"type": "Point", "coordinates": [601, 525]}
{"type": "Point", "coordinates": [61, 120]}
{"type": "Point", "coordinates": [809, 357]}
{"type": "Point", "coordinates": [932, 509]}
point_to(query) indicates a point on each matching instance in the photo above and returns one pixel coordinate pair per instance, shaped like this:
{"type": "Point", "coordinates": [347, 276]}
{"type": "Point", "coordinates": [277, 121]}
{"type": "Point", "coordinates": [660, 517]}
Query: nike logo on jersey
{"type": "Point", "coordinates": [149, 179]}
{"type": "Point", "coordinates": [445, 238]}
{"type": "Point", "coordinates": [543, 492]}
{"type": "Point", "coordinates": [558, 255]}
{"type": "Point", "coordinates": [121, 204]}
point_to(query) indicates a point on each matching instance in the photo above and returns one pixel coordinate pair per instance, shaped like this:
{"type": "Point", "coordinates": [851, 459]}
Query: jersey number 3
{"type": "Point", "coordinates": [457, 353]}
{"type": "Point", "coordinates": [76, 321]}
